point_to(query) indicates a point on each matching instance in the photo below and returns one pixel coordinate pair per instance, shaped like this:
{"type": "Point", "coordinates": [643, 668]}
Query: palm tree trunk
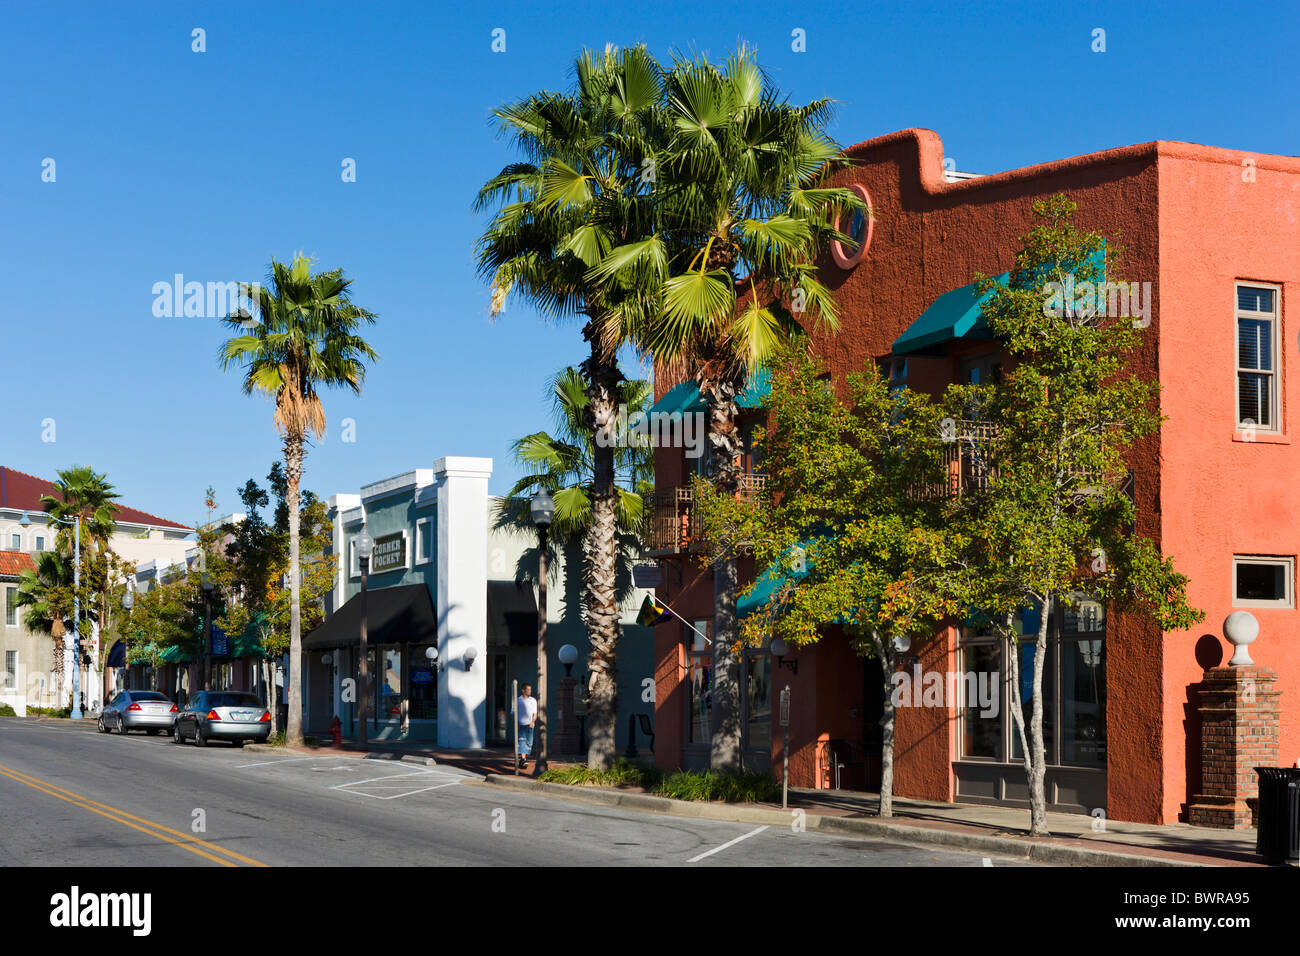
{"type": "Point", "coordinates": [293, 456]}
{"type": "Point", "coordinates": [724, 471]}
{"type": "Point", "coordinates": [600, 561]}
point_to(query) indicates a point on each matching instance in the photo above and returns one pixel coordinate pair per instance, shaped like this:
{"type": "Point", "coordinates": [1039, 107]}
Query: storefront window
{"type": "Point", "coordinates": [389, 683]}
{"type": "Point", "coordinates": [758, 698]}
{"type": "Point", "coordinates": [422, 680]}
{"type": "Point", "coordinates": [699, 684]}
{"type": "Point", "coordinates": [1073, 688]}
{"type": "Point", "coordinates": [981, 720]}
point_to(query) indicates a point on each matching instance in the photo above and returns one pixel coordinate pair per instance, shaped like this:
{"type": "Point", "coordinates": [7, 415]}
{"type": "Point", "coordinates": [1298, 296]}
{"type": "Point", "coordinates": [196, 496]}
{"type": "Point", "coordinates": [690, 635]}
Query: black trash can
{"type": "Point", "coordinates": [1278, 837]}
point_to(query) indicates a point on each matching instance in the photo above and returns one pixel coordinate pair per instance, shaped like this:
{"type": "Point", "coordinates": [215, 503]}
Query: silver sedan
{"type": "Point", "coordinates": [223, 715]}
{"type": "Point", "coordinates": [145, 710]}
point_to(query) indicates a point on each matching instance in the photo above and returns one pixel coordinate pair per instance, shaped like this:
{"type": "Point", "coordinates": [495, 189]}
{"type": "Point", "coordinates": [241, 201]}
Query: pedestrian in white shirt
{"type": "Point", "coordinates": [526, 714]}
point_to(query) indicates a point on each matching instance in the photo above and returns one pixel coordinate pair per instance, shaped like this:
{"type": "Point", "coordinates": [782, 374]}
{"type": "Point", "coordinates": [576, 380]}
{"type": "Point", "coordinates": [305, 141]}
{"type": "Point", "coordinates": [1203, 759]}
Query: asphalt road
{"type": "Point", "coordinates": [70, 796]}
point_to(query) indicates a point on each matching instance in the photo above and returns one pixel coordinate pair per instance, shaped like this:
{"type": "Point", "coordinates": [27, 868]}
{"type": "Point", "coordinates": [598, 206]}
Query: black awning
{"type": "Point", "coordinates": [116, 655]}
{"type": "Point", "coordinates": [397, 615]}
{"type": "Point", "coordinates": [512, 614]}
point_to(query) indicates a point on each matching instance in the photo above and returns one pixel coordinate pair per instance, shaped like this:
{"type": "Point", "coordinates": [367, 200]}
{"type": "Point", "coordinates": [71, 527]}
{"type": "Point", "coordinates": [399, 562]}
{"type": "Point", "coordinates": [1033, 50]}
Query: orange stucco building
{"type": "Point", "coordinates": [1214, 233]}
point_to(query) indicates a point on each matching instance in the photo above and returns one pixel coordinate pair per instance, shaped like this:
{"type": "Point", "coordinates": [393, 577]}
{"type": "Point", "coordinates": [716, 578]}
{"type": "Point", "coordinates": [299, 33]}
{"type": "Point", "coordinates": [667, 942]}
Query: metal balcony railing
{"type": "Point", "coordinates": [672, 520]}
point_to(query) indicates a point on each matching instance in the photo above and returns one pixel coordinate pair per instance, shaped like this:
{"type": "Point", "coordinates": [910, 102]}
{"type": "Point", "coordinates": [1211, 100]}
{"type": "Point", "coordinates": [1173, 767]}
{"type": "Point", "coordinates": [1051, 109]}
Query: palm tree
{"type": "Point", "coordinates": [82, 493]}
{"type": "Point", "coordinates": [743, 211]}
{"type": "Point", "coordinates": [304, 339]}
{"type": "Point", "coordinates": [564, 464]}
{"type": "Point", "coordinates": [47, 593]}
{"type": "Point", "coordinates": [584, 189]}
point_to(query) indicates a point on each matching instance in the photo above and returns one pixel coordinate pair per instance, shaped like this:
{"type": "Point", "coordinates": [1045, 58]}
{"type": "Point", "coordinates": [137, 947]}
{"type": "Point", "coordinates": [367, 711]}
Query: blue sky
{"type": "Point", "coordinates": [208, 164]}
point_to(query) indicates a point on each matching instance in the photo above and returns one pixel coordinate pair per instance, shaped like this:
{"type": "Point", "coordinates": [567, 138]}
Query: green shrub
{"type": "Point", "coordinates": [624, 773]}
{"type": "Point", "coordinates": [7, 711]}
{"type": "Point", "coordinates": [277, 740]}
{"type": "Point", "coordinates": [48, 712]}
{"type": "Point", "coordinates": [706, 785]}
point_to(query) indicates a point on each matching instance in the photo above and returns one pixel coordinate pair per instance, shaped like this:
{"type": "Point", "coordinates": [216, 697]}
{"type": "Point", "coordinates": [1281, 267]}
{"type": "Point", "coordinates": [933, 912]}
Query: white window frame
{"type": "Point", "coordinates": [1272, 560]}
{"type": "Point", "coordinates": [5, 677]}
{"type": "Point", "coordinates": [425, 526]}
{"type": "Point", "coordinates": [38, 542]}
{"type": "Point", "coordinates": [9, 540]}
{"type": "Point", "coordinates": [11, 593]}
{"type": "Point", "coordinates": [1275, 373]}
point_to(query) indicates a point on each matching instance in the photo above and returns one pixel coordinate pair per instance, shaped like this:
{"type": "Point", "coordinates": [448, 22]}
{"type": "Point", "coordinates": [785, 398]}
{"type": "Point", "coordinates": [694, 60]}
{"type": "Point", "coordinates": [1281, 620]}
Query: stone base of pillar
{"type": "Point", "coordinates": [1239, 731]}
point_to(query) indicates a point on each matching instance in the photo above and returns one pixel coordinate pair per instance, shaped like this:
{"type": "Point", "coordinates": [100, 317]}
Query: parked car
{"type": "Point", "coordinates": [145, 710]}
{"type": "Point", "coordinates": [222, 715]}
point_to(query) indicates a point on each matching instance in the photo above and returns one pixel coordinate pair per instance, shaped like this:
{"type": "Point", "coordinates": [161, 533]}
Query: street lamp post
{"type": "Point", "coordinates": [128, 602]}
{"type": "Point", "coordinates": [206, 664]}
{"type": "Point", "coordinates": [543, 509]}
{"type": "Point", "coordinates": [75, 520]}
{"type": "Point", "coordinates": [365, 545]}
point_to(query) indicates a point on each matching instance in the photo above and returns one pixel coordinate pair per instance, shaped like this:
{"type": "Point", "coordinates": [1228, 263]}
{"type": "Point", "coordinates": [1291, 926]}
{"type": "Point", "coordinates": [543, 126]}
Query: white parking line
{"type": "Point", "coordinates": [278, 760]}
{"type": "Point", "coordinates": [408, 793]}
{"type": "Point", "coordinates": [719, 849]}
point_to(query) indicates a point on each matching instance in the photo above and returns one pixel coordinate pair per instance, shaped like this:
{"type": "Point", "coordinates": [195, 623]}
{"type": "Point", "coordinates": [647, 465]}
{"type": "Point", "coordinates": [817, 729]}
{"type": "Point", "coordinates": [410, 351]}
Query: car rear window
{"type": "Point", "coordinates": [146, 695]}
{"type": "Point", "coordinates": [232, 700]}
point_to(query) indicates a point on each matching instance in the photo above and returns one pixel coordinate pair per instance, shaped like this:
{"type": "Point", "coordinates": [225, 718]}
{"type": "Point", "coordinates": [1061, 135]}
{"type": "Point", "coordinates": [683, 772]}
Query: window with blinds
{"type": "Point", "coordinates": [1257, 363]}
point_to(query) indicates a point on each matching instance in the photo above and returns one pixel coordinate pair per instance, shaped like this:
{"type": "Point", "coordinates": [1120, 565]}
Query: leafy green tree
{"type": "Point", "coordinates": [47, 593]}
{"type": "Point", "coordinates": [250, 569]}
{"type": "Point", "coordinates": [1054, 520]}
{"type": "Point", "coordinates": [584, 187]}
{"type": "Point", "coordinates": [741, 211]}
{"type": "Point", "coordinates": [303, 340]}
{"type": "Point", "coordinates": [841, 523]}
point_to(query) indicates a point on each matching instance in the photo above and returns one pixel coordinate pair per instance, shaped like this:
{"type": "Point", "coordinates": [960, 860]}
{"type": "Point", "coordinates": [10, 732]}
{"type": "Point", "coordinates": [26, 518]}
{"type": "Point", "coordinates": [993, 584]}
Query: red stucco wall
{"type": "Point", "coordinates": [1188, 225]}
{"type": "Point", "coordinates": [1224, 497]}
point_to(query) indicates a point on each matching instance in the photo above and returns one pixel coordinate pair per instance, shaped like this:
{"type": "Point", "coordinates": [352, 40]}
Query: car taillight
{"type": "Point", "coordinates": [213, 715]}
{"type": "Point", "coordinates": [266, 716]}
{"type": "Point", "coordinates": [135, 707]}
{"type": "Point", "coordinates": [174, 710]}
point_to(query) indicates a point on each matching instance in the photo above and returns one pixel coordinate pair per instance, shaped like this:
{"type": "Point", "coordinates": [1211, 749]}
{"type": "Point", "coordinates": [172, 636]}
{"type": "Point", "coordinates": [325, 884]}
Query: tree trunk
{"type": "Point", "coordinates": [724, 472]}
{"type": "Point", "coordinates": [293, 456]}
{"type": "Point", "coordinates": [600, 563]}
{"type": "Point", "coordinates": [1038, 763]}
{"type": "Point", "coordinates": [885, 652]}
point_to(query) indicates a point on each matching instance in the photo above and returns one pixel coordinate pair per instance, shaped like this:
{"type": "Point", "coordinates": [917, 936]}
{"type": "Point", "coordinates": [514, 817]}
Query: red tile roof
{"type": "Point", "coordinates": [23, 491]}
{"type": "Point", "coordinates": [14, 563]}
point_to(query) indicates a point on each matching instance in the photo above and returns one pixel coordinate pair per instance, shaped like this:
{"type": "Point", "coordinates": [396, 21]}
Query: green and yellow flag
{"type": "Point", "coordinates": [652, 612]}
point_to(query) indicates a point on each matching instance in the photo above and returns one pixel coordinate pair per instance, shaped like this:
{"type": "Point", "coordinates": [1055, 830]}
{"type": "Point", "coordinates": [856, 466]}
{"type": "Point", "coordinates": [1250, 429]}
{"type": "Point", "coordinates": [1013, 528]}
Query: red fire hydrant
{"type": "Point", "coordinates": [336, 731]}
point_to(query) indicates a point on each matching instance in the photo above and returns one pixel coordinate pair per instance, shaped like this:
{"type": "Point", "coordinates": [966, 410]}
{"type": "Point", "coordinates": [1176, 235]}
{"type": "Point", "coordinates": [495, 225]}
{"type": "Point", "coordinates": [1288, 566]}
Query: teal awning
{"type": "Point", "coordinates": [954, 315]}
{"type": "Point", "coordinates": [768, 583]}
{"type": "Point", "coordinates": [685, 398]}
{"type": "Point", "coordinates": [958, 313]}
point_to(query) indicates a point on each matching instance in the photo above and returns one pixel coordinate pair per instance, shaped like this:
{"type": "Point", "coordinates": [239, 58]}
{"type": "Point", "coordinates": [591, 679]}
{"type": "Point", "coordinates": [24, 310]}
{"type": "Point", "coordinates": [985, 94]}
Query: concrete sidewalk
{"type": "Point", "coordinates": [1163, 841]}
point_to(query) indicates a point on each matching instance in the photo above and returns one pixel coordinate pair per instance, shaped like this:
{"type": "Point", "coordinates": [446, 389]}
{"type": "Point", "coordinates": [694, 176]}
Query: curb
{"type": "Point", "coordinates": [1003, 846]}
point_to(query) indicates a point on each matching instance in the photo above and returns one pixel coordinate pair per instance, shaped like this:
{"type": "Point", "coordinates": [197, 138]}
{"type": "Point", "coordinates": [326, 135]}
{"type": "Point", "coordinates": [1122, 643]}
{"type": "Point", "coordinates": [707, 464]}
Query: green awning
{"type": "Point", "coordinates": [174, 655]}
{"type": "Point", "coordinates": [954, 315]}
{"type": "Point", "coordinates": [768, 583]}
{"type": "Point", "coordinates": [958, 313]}
{"type": "Point", "coordinates": [685, 398]}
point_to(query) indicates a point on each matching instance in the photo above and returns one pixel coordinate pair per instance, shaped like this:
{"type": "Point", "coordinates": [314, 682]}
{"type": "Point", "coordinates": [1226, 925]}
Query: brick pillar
{"type": "Point", "coordinates": [569, 739]}
{"type": "Point", "coordinates": [1239, 731]}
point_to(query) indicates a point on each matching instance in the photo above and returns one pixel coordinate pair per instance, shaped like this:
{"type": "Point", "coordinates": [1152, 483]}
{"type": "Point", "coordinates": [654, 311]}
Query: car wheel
{"type": "Point", "coordinates": [101, 727]}
{"type": "Point", "coordinates": [176, 735]}
{"type": "Point", "coordinates": [199, 739]}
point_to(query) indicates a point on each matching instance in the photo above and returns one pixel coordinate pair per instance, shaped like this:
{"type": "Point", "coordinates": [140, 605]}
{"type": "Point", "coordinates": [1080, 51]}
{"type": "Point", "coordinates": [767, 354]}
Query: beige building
{"type": "Point", "coordinates": [27, 658]}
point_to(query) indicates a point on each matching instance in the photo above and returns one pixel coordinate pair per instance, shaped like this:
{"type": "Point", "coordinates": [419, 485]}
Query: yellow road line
{"type": "Point", "coordinates": [156, 830]}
